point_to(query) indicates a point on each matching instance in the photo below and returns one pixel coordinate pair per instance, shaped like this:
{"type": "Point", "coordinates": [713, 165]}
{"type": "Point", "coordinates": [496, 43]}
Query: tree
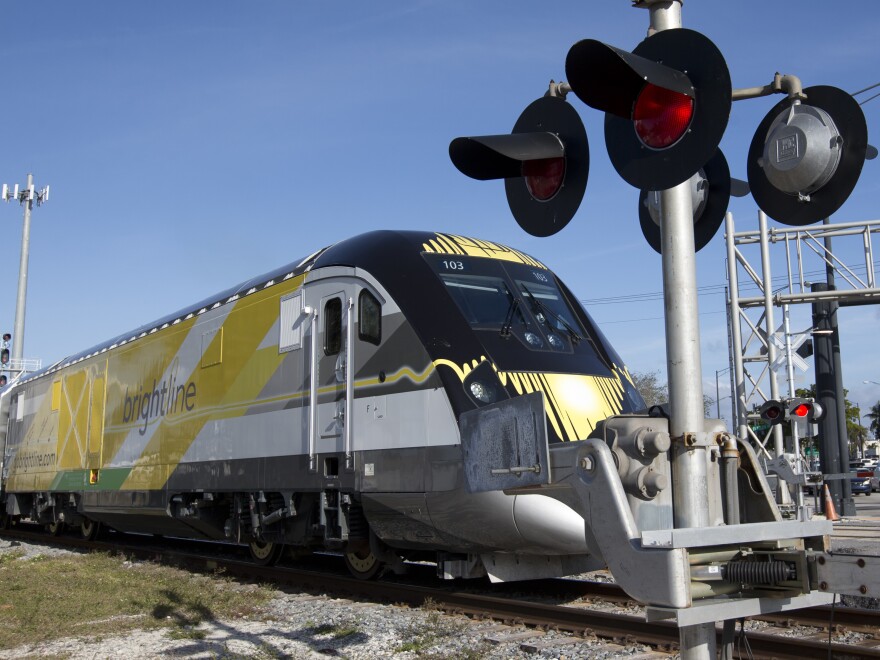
{"type": "Point", "coordinates": [874, 416]}
{"type": "Point", "coordinates": [655, 392]}
{"type": "Point", "coordinates": [649, 386]}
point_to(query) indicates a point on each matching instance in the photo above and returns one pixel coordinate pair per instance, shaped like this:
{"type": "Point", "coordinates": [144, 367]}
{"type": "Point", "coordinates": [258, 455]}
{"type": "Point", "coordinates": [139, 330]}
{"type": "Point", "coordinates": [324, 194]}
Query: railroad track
{"type": "Point", "coordinates": [576, 618]}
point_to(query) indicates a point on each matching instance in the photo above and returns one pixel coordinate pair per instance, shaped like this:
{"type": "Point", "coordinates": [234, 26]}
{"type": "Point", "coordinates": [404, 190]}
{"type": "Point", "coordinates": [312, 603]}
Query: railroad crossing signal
{"type": "Point", "coordinates": [798, 410]}
{"type": "Point", "coordinates": [544, 162]}
{"type": "Point", "coordinates": [807, 155]}
{"type": "Point", "coordinates": [666, 103]}
{"type": "Point", "coordinates": [710, 193]}
{"type": "Point", "coordinates": [4, 348]}
{"type": "Point", "coordinates": [802, 412]}
{"type": "Point", "coordinates": [772, 412]}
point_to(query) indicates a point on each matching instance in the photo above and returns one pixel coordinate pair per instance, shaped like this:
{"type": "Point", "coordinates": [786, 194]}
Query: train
{"type": "Point", "coordinates": [317, 407]}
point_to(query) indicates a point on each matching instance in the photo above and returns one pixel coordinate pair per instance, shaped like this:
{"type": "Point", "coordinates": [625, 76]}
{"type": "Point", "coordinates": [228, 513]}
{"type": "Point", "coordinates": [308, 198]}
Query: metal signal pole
{"type": "Point", "coordinates": [683, 360]}
{"type": "Point", "coordinates": [26, 197]}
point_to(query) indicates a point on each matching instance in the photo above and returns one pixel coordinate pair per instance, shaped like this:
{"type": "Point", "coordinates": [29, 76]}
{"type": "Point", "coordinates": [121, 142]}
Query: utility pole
{"type": "Point", "coordinates": [26, 198]}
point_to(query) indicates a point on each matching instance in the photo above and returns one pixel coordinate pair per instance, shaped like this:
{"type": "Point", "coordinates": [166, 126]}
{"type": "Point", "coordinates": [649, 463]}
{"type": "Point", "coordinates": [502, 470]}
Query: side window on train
{"type": "Point", "coordinates": [332, 326]}
{"type": "Point", "coordinates": [369, 318]}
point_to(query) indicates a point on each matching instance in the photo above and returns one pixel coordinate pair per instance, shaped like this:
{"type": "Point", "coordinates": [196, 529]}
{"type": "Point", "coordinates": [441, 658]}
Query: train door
{"type": "Point", "coordinates": [332, 372]}
{"type": "Point", "coordinates": [81, 420]}
{"type": "Point", "coordinates": [96, 415]}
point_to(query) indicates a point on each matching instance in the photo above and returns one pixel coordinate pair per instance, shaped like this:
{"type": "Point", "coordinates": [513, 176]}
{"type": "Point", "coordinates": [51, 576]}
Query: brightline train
{"type": "Point", "coordinates": [317, 407]}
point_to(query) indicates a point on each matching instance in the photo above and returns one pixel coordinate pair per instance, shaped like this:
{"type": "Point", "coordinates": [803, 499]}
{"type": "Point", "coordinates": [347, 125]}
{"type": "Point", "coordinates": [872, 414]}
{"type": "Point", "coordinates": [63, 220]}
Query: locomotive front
{"type": "Point", "coordinates": [498, 324]}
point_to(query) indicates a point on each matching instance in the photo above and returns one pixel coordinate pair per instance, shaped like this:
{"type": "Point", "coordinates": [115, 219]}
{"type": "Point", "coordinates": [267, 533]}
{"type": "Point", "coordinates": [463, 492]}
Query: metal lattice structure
{"type": "Point", "coordinates": [760, 350]}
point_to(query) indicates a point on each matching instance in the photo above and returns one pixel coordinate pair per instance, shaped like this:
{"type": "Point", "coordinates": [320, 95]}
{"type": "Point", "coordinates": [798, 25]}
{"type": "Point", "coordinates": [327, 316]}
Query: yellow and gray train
{"type": "Point", "coordinates": [317, 407]}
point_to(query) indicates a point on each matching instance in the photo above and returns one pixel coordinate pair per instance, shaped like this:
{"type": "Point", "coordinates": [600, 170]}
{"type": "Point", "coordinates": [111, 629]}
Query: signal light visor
{"type": "Point", "coordinates": [661, 116]}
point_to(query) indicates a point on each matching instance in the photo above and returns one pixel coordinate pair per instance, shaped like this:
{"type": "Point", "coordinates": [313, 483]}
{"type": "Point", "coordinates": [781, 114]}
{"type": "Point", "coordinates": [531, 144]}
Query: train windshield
{"type": "Point", "coordinates": [512, 301]}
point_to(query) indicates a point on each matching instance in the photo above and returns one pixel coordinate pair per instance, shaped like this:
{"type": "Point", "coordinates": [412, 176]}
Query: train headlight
{"type": "Point", "coordinates": [534, 340]}
{"type": "Point", "coordinates": [556, 342]}
{"type": "Point", "coordinates": [482, 385]}
{"type": "Point", "coordinates": [483, 392]}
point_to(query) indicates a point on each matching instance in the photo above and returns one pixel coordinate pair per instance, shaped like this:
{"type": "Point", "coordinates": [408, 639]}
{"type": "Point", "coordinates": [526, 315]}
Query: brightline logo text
{"type": "Point", "coordinates": [164, 399]}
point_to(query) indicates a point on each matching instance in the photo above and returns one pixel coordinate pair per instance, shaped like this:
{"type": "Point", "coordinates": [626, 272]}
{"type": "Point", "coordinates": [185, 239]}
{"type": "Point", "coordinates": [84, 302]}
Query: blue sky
{"type": "Point", "coordinates": [191, 145]}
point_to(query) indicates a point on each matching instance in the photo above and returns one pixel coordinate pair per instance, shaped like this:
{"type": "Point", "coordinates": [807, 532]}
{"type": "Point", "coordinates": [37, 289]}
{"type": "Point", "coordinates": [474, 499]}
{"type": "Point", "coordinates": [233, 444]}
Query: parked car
{"type": "Point", "coordinates": [863, 480]}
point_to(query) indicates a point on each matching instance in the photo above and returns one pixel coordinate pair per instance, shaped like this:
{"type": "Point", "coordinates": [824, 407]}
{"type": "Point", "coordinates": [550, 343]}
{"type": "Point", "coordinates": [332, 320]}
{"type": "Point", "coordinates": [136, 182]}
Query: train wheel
{"type": "Point", "coordinates": [55, 528]}
{"type": "Point", "coordinates": [265, 553]}
{"type": "Point", "coordinates": [363, 564]}
{"type": "Point", "coordinates": [88, 529]}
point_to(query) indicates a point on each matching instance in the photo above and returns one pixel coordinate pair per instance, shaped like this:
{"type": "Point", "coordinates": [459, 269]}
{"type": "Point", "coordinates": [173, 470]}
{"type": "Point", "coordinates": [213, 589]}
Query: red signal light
{"type": "Point", "coordinates": [802, 410]}
{"type": "Point", "coordinates": [544, 177]}
{"type": "Point", "coordinates": [661, 116]}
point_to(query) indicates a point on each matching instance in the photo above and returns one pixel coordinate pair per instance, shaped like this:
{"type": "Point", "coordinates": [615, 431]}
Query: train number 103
{"type": "Point", "coordinates": [453, 265]}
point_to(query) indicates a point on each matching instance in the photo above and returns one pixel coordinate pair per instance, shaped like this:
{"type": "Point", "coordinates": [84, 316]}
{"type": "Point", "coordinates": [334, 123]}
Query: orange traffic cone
{"type": "Point", "coordinates": [830, 511]}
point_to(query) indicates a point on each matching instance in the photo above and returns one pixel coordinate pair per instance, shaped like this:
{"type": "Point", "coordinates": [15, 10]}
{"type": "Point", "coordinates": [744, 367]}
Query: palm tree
{"type": "Point", "coordinates": [874, 416]}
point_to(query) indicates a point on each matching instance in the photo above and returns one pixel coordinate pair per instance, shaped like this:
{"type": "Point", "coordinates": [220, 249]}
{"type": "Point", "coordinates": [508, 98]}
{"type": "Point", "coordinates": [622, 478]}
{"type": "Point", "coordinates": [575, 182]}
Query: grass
{"type": "Point", "coordinates": [97, 595]}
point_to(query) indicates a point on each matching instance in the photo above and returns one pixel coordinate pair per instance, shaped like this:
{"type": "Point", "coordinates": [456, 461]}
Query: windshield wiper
{"type": "Point", "coordinates": [508, 320]}
{"type": "Point", "coordinates": [572, 333]}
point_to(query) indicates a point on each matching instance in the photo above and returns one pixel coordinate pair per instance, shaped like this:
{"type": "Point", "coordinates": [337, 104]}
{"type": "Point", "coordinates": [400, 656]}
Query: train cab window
{"type": "Point", "coordinates": [332, 326]}
{"type": "Point", "coordinates": [484, 300]}
{"type": "Point", "coordinates": [369, 318]}
{"type": "Point", "coordinates": [549, 307]}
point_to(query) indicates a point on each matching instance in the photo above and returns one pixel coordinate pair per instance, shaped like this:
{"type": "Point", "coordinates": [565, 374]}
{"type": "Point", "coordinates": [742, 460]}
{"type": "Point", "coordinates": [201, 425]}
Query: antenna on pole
{"type": "Point", "coordinates": [26, 196]}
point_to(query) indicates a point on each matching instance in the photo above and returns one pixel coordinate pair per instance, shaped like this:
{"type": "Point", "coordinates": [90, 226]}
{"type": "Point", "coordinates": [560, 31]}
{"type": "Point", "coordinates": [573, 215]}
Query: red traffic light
{"type": "Point", "coordinates": [801, 410]}
{"type": "Point", "coordinates": [544, 177]}
{"type": "Point", "coordinates": [544, 162]}
{"type": "Point", "coordinates": [667, 103]}
{"type": "Point", "coordinates": [4, 356]}
{"type": "Point", "coordinates": [805, 409]}
{"type": "Point", "coordinates": [772, 412]}
{"type": "Point", "coordinates": [661, 116]}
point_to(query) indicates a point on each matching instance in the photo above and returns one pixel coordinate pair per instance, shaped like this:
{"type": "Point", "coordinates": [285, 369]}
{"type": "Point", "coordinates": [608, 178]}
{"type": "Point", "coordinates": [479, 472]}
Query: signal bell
{"type": "Point", "coordinates": [667, 103]}
{"type": "Point", "coordinates": [806, 156]}
{"type": "Point", "coordinates": [545, 163]}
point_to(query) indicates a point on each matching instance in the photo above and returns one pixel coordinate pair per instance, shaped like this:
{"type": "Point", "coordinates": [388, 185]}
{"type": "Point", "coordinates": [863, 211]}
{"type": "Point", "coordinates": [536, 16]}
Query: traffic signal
{"type": "Point", "coordinates": [806, 156]}
{"type": "Point", "coordinates": [544, 162]}
{"type": "Point", "coordinates": [4, 356]}
{"type": "Point", "coordinates": [806, 409]}
{"type": "Point", "coordinates": [666, 103]}
{"type": "Point", "coordinates": [802, 412]}
{"type": "Point", "coordinates": [710, 193]}
{"type": "Point", "coordinates": [772, 412]}
{"type": "Point", "coordinates": [3, 380]}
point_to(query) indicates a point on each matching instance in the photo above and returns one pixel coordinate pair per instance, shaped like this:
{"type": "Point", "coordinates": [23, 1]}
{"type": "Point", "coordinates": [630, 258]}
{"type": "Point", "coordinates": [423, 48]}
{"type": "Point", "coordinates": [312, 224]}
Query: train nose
{"type": "Point", "coordinates": [549, 524]}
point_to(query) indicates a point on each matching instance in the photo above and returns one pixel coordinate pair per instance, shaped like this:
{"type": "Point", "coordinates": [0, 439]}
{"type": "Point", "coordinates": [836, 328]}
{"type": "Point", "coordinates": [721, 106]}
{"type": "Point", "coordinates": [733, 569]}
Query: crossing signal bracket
{"type": "Point", "coordinates": [667, 103]}
{"type": "Point", "coordinates": [806, 157]}
{"type": "Point", "coordinates": [544, 162]}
